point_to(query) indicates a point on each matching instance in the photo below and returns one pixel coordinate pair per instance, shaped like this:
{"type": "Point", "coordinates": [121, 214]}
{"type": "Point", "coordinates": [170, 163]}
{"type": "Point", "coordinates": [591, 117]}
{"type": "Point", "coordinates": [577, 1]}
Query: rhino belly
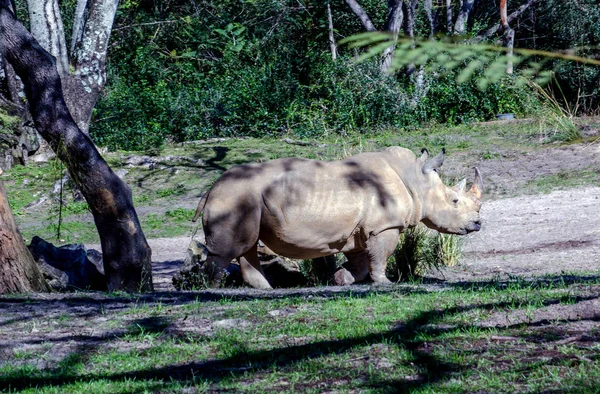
{"type": "Point", "coordinates": [308, 242]}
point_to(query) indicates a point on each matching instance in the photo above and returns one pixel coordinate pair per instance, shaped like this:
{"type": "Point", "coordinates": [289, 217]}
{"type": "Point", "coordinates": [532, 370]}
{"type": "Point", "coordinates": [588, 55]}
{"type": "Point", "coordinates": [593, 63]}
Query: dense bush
{"type": "Point", "coordinates": [262, 68]}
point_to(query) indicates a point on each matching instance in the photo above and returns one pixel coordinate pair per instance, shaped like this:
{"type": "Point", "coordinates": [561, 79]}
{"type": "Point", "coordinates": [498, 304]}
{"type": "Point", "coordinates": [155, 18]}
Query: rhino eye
{"type": "Point", "coordinates": [455, 201]}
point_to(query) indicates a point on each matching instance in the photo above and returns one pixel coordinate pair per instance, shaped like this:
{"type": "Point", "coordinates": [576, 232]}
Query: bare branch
{"type": "Point", "coordinates": [517, 13]}
{"type": "Point", "coordinates": [361, 14]}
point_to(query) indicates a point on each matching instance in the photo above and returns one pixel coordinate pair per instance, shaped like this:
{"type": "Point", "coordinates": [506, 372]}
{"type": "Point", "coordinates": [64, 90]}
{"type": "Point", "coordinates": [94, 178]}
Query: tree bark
{"type": "Point", "coordinates": [47, 28]}
{"type": "Point", "coordinates": [332, 44]}
{"type": "Point", "coordinates": [449, 18]}
{"type": "Point", "coordinates": [514, 15]}
{"type": "Point", "coordinates": [19, 272]}
{"type": "Point", "coordinates": [427, 4]}
{"type": "Point", "coordinates": [83, 73]}
{"type": "Point", "coordinates": [393, 24]}
{"type": "Point", "coordinates": [409, 28]}
{"type": "Point", "coordinates": [460, 26]}
{"type": "Point", "coordinates": [126, 253]}
{"type": "Point", "coordinates": [361, 14]}
{"type": "Point", "coordinates": [509, 34]}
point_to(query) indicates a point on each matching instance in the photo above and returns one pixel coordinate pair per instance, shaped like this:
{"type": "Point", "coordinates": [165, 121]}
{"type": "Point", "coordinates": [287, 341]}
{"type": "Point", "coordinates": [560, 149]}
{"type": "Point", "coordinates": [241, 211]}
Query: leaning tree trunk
{"type": "Point", "coordinates": [19, 272]}
{"type": "Point", "coordinates": [362, 16]}
{"type": "Point", "coordinates": [126, 253]}
{"type": "Point", "coordinates": [332, 44]}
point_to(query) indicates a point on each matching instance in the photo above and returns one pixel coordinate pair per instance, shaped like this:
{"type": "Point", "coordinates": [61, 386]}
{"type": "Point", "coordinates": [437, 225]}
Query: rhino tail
{"type": "Point", "coordinates": [200, 208]}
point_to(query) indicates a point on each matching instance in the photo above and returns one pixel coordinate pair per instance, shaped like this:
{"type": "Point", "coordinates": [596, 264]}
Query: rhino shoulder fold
{"type": "Point", "coordinates": [399, 153]}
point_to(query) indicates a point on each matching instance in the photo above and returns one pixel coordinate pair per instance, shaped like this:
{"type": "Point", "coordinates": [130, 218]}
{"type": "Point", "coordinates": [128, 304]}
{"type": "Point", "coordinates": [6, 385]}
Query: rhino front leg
{"type": "Point", "coordinates": [379, 248]}
{"type": "Point", "coordinates": [252, 271]}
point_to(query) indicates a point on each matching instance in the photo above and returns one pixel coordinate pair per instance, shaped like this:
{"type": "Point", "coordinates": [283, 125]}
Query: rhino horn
{"type": "Point", "coordinates": [477, 187]}
{"type": "Point", "coordinates": [434, 163]}
{"type": "Point", "coordinates": [460, 186]}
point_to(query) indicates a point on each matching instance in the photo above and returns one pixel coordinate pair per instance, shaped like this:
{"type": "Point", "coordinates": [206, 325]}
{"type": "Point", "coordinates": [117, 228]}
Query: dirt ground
{"type": "Point", "coordinates": [522, 236]}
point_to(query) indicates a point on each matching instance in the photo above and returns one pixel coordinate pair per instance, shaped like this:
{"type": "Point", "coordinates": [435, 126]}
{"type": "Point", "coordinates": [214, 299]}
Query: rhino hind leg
{"type": "Point", "coordinates": [379, 248]}
{"type": "Point", "coordinates": [252, 271]}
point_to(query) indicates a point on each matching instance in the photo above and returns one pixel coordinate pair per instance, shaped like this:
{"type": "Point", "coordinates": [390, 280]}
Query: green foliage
{"type": "Point", "coordinates": [421, 250]}
{"type": "Point", "coordinates": [450, 102]}
{"type": "Point", "coordinates": [263, 68]}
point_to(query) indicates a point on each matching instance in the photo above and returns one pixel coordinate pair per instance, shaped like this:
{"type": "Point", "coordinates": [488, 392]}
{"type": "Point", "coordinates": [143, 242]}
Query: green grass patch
{"type": "Point", "coordinates": [408, 337]}
{"type": "Point", "coordinates": [563, 180]}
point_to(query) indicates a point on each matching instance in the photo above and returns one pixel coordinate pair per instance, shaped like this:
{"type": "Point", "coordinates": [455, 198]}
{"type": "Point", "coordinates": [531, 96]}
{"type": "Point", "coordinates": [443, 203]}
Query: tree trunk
{"type": "Point", "coordinates": [509, 34]}
{"type": "Point", "coordinates": [393, 24]}
{"type": "Point", "coordinates": [47, 28]}
{"type": "Point", "coordinates": [409, 28]}
{"type": "Point", "coordinates": [460, 27]}
{"type": "Point", "coordinates": [427, 4]}
{"type": "Point", "coordinates": [361, 14]}
{"type": "Point", "coordinates": [126, 253]}
{"type": "Point", "coordinates": [18, 270]}
{"type": "Point", "coordinates": [449, 19]}
{"type": "Point", "coordinates": [332, 44]}
{"type": "Point", "coordinates": [83, 74]}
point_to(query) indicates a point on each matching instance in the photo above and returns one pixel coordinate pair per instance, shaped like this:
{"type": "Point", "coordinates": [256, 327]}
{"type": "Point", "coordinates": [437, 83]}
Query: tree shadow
{"type": "Point", "coordinates": [433, 369]}
{"type": "Point", "coordinates": [220, 154]}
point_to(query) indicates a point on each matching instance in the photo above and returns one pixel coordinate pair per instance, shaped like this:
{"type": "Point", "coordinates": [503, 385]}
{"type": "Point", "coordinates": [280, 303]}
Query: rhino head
{"type": "Point", "coordinates": [451, 210]}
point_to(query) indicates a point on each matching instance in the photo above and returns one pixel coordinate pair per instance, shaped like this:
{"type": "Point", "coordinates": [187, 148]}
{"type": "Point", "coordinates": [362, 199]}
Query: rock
{"type": "Point", "coordinates": [231, 323]}
{"type": "Point", "coordinates": [343, 277]}
{"type": "Point", "coordinates": [135, 160]}
{"type": "Point", "coordinates": [69, 267]}
{"type": "Point", "coordinates": [42, 157]}
{"type": "Point", "coordinates": [121, 173]}
{"type": "Point", "coordinates": [196, 253]}
{"type": "Point", "coordinates": [37, 202]}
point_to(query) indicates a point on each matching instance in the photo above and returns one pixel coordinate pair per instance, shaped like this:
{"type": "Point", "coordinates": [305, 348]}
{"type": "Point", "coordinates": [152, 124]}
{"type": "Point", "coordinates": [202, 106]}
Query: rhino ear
{"type": "Point", "coordinates": [435, 163]}
{"type": "Point", "coordinates": [424, 155]}
{"type": "Point", "coordinates": [477, 187]}
{"type": "Point", "coordinates": [460, 186]}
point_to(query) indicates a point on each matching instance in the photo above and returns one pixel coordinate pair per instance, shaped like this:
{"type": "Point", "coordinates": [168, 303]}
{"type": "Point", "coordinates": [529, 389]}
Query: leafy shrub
{"type": "Point", "coordinates": [262, 68]}
{"type": "Point", "coordinates": [420, 250]}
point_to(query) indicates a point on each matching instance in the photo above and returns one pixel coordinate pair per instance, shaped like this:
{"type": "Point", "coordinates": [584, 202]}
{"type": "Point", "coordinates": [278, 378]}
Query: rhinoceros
{"type": "Point", "coordinates": [304, 209]}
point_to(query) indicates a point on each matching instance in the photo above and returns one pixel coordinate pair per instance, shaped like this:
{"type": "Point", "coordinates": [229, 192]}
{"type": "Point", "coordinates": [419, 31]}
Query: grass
{"type": "Point", "coordinates": [398, 339]}
{"type": "Point", "coordinates": [562, 180]}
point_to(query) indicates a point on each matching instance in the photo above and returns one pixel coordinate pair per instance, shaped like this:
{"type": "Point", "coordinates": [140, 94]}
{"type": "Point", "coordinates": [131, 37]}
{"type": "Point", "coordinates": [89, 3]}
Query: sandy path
{"type": "Point", "coordinates": [534, 235]}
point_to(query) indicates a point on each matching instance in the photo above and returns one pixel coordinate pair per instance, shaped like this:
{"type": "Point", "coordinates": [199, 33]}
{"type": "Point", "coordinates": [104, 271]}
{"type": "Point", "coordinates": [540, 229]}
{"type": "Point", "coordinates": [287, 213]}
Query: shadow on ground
{"type": "Point", "coordinates": [406, 334]}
